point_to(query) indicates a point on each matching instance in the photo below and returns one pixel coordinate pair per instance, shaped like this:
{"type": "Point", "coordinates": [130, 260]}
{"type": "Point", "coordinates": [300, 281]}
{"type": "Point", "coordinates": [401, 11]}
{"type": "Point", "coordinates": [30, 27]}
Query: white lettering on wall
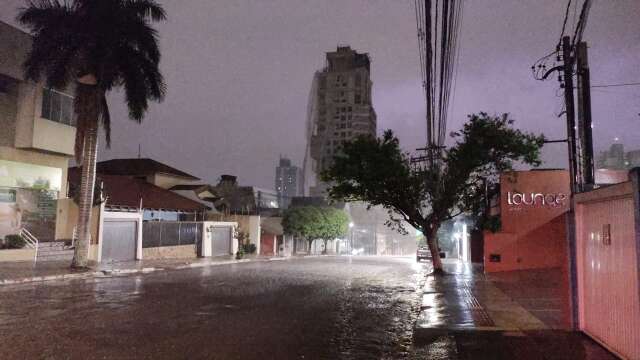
{"type": "Point", "coordinates": [536, 199]}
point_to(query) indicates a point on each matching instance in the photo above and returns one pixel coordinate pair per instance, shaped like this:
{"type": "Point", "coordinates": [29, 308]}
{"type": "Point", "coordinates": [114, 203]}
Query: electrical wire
{"type": "Point", "coordinates": [438, 25]}
{"type": "Point", "coordinates": [582, 22]}
{"type": "Point", "coordinates": [614, 85]}
{"type": "Point", "coordinates": [564, 22]}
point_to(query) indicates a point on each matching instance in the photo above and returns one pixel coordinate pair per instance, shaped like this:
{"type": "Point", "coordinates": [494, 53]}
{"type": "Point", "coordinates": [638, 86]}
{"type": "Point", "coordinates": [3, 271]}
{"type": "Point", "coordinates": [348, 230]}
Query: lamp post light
{"type": "Point", "coordinates": [350, 237]}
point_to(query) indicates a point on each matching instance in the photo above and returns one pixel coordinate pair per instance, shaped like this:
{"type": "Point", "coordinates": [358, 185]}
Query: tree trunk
{"type": "Point", "coordinates": [432, 241]}
{"type": "Point", "coordinates": [85, 201]}
{"type": "Point", "coordinates": [309, 243]}
{"type": "Point", "coordinates": [324, 250]}
{"type": "Point", "coordinates": [294, 246]}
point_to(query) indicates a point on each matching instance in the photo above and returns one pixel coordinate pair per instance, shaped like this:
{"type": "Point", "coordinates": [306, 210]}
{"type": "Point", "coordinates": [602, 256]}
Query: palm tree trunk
{"type": "Point", "coordinates": [432, 242]}
{"type": "Point", "coordinates": [85, 203]}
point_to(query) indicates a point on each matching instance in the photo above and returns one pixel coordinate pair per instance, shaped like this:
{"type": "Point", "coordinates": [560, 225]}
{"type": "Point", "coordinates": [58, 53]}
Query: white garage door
{"type": "Point", "coordinates": [119, 240]}
{"type": "Point", "coordinates": [221, 241]}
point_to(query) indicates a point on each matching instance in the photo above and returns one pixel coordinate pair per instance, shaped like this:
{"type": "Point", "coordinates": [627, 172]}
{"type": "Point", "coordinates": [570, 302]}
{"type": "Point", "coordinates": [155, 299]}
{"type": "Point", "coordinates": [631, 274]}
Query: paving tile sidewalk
{"type": "Point", "coordinates": [469, 315]}
{"type": "Point", "coordinates": [464, 299]}
{"type": "Point", "coordinates": [26, 272]}
{"type": "Point", "coordinates": [542, 292]}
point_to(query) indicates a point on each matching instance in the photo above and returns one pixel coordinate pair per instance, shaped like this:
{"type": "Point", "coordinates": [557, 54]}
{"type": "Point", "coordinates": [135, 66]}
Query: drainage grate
{"type": "Point", "coordinates": [481, 317]}
{"type": "Point", "coordinates": [478, 313]}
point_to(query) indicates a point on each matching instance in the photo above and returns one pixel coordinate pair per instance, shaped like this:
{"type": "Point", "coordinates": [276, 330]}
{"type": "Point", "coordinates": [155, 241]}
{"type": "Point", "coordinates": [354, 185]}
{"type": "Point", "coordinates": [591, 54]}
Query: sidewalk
{"type": "Point", "coordinates": [542, 292]}
{"type": "Point", "coordinates": [26, 272]}
{"type": "Point", "coordinates": [464, 299]}
{"type": "Point", "coordinates": [466, 314]}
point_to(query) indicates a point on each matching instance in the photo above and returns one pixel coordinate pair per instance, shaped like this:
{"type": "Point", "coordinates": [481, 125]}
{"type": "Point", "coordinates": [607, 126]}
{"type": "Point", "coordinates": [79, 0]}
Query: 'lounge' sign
{"type": "Point", "coordinates": [536, 199]}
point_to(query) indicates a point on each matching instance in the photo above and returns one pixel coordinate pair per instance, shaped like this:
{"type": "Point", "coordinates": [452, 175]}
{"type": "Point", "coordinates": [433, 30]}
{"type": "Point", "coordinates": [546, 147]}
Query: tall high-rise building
{"type": "Point", "coordinates": [288, 182]}
{"type": "Point", "coordinates": [339, 110]}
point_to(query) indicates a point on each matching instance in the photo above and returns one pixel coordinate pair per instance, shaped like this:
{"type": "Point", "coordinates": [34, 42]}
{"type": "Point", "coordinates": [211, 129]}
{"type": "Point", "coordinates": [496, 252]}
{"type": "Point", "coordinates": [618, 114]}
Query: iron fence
{"type": "Point", "coordinates": [170, 233]}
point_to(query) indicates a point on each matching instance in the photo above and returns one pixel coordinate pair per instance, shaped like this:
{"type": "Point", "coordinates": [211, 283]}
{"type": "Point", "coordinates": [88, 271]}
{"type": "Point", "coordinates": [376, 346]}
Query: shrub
{"type": "Point", "coordinates": [249, 248]}
{"type": "Point", "coordinates": [14, 242]}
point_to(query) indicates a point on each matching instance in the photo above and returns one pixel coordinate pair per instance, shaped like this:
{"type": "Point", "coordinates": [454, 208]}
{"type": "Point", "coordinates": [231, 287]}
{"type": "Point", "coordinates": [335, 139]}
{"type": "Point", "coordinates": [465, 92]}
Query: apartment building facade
{"type": "Point", "coordinates": [340, 110]}
{"type": "Point", "coordinates": [288, 182]}
{"type": "Point", "coordinates": [36, 142]}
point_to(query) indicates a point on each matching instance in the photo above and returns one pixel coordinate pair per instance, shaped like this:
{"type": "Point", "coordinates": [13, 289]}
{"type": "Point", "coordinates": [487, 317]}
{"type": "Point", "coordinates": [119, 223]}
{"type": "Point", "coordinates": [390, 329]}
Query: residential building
{"type": "Point", "coordinates": [152, 171]}
{"type": "Point", "coordinates": [612, 165]}
{"type": "Point", "coordinates": [140, 218]}
{"type": "Point", "coordinates": [616, 158]}
{"type": "Point", "coordinates": [144, 184]}
{"type": "Point", "coordinates": [230, 198]}
{"type": "Point", "coordinates": [288, 182]}
{"type": "Point", "coordinates": [339, 110]}
{"type": "Point", "coordinates": [202, 193]}
{"type": "Point", "coordinates": [248, 206]}
{"type": "Point", "coordinates": [36, 142]}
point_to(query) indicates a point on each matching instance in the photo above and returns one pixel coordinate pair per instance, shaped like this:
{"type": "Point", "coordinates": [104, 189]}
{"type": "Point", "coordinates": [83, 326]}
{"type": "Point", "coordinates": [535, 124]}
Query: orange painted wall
{"type": "Point", "coordinates": [533, 233]}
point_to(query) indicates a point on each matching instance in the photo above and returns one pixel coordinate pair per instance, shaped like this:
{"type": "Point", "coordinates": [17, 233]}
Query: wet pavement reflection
{"type": "Point", "coordinates": [319, 308]}
{"type": "Point", "coordinates": [464, 316]}
{"type": "Point", "coordinates": [348, 308]}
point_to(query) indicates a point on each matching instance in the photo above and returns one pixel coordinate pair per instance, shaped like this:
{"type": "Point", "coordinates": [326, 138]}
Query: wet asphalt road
{"type": "Point", "coordinates": [329, 308]}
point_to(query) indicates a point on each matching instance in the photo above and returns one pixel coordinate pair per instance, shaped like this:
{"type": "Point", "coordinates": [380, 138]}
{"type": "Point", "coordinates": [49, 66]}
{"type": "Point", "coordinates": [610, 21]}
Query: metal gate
{"type": "Point", "coordinates": [608, 278]}
{"type": "Point", "coordinates": [170, 233]}
{"type": "Point", "coordinates": [221, 241]}
{"type": "Point", "coordinates": [119, 240]}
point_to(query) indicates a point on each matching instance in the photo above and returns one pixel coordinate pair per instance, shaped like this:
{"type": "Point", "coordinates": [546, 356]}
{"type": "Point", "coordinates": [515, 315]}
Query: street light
{"type": "Point", "coordinates": [350, 237]}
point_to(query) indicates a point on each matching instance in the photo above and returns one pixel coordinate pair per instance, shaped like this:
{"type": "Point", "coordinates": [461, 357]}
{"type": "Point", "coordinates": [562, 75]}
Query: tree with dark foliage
{"type": "Point", "coordinates": [377, 171]}
{"type": "Point", "coordinates": [315, 222]}
{"type": "Point", "coordinates": [94, 47]}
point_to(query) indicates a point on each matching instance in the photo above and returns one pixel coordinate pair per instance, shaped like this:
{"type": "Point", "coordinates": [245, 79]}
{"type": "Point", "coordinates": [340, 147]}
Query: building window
{"type": "Point", "coordinates": [57, 107]}
{"type": "Point", "coordinates": [358, 98]}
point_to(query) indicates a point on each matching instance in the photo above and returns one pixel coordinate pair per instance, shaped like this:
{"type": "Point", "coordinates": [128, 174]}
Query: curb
{"type": "Point", "coordinates": [124, 272]}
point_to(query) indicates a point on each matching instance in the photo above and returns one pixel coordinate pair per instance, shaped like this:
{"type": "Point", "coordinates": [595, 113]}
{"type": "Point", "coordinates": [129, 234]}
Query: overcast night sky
{"type": "Point", "coordinates": [239, 76]}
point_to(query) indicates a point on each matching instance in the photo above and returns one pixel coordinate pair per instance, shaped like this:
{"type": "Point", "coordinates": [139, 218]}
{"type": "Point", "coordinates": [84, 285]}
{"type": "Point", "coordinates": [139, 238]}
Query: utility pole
{"type": "Point", "coordinates": [585, 132]}
{"type": "Point", "coordinates": [570, 110]}
{"type": "Point", "coordinates": [571, 143]}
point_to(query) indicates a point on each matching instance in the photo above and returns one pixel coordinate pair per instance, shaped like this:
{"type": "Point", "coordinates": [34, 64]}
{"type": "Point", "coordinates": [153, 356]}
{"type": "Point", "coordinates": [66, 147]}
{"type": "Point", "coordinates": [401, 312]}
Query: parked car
{"type": "Point", "coordinates": [423, 253]}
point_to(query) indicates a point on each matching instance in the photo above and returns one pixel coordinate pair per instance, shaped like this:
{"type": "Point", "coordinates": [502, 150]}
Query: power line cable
{"type": "Point", "coordinates": [564, 22]}
{"type": "Point", "coordinates": [615, 85]}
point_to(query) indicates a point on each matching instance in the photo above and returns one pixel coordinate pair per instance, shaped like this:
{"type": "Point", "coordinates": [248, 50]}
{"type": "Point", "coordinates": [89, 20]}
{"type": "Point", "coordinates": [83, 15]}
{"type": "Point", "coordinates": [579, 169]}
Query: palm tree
{"type": "Point", "coordinates": [95, 46]}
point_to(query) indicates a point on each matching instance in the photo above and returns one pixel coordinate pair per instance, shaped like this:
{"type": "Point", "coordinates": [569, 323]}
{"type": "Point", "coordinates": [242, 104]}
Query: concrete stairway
{"type": "Point", "coordinates": [54, 251]}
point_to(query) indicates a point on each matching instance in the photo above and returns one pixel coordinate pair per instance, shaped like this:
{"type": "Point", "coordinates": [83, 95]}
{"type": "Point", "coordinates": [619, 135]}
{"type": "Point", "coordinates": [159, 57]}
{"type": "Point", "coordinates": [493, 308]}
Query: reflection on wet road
{"type": "Point", "coordinates": [348, 308]}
